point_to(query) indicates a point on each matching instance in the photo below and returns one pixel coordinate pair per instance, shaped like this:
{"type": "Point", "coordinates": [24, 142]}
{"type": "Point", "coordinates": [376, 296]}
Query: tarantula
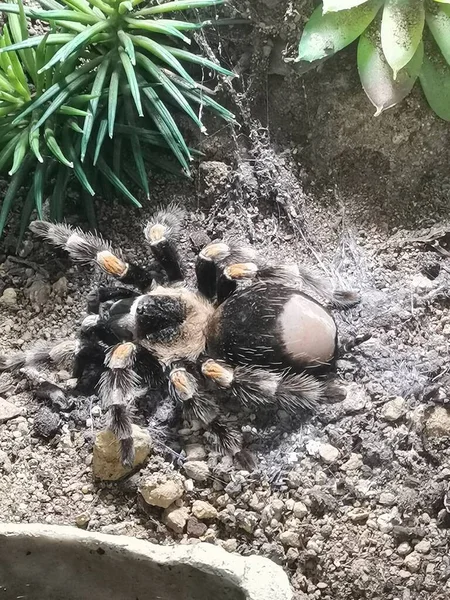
{"type": "Point", "coordinates": [262, 343]}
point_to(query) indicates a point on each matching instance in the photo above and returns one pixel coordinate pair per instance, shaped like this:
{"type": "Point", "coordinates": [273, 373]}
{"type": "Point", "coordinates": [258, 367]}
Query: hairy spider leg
{"type": "Point", "coordinates": [162, 233]}
{"type": "Point", "coordinates": [104, 294]}
{"type": "Point", "coordinates": [88, 248]}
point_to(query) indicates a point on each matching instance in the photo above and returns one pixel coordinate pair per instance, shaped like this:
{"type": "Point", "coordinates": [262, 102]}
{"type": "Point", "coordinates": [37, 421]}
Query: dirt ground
{"type": "Point", "coordinates": [352, 502]}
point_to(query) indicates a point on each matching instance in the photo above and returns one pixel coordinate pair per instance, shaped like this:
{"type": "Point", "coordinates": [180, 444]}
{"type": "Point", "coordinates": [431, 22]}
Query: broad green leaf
{"type": "Point", "coordinates": [337, 5]}
{"type": "Point", "coordinates": [435, 80]}
{"type": "Point", "coordinates": [401, 31]}
{"type": "Point", "coordinates": [132, 81]}
{"type": "Point", "coordinates": [180, 5]}
{"type": "Point", "coordinates": [438, 21]}
{"type": "Point", "coordinates": [326, 34]}
{"type": "Point", "coordinates": [78, 41]}
{"type": "Point", "coordinates": [376, 75]}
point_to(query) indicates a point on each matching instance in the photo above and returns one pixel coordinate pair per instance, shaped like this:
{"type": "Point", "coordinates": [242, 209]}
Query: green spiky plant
{"type": "Point", "coordinates": [96, 96]}
{"type": "Point", "coordinates": [399, 41]}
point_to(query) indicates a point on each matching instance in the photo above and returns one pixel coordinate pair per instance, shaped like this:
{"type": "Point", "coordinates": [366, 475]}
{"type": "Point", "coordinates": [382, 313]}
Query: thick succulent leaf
{"type": "Point", "coordinates": [25, 217]}
{"type": "Point", "coordinates": [438, 21]}
{"type": "Point", "coordinates": [326, 34]}
{"type": "Point", "coordinates": [132, 81]}
{"type": "Point", "coordinates": [435, 80]}
{"type": "Point", "coordinates": [33, 140]}
{"type": "Point", "coordinates": [97, 88]}
{"type": "Point", "coordinates": [64, 15]}
{"type": "Point", "coordinates": [38, 184]}
{"type": "Point", "coordinates": [59, 193]}
{"type": "Point", "coordinates": [376, 75]}
{"type": "Point", "coordinates": [401, 31]}
{"type": "Point", "coordinates": [100, 139]}
{"type": "Point", "coordinates": [198, 60]}
{"type": "Point", "coordinates": [337, 5]}
{"type": "Point", "coordinates": [117, 183]}
{"type": "Point", "coordinates": [79, 171]}
{"type": "Point", "coordinates": [7, 151]}
{"type": "Point", "coordinates": [137, 151]}
{"type": "Point", "coordinates": [113, 93]}
{"type": "Point", "coordinates": [155, 27]}
{"type": "Point", "coordinates": [53, 146]}
{"type": "Point", "coordinates": [443, 1]}
{"type": "Point", "coordinates": [128, 45]}
{"type": "Point", "coordinates": [19, 152]}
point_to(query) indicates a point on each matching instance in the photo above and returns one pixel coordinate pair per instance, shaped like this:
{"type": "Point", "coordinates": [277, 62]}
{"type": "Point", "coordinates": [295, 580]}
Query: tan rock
{"type": "Point", "coordinates": [163, 494]}
{"type": "Point", "coordinates": [106, 464]}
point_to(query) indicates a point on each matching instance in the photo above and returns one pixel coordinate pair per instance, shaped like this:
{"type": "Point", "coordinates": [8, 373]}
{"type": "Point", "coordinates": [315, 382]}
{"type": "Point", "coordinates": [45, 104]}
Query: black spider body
{"type": "Point", "coordinates": [256, 344]}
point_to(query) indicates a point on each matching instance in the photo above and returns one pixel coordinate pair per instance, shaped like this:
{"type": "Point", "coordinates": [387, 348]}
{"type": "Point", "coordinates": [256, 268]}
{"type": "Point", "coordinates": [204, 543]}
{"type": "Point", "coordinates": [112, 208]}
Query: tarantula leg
{"type": "Point", "coordinates": [119, 386]}
{"type": "Point", "coordinates": [183, 388]}
{"type": "Point", "coordinates": [260, 388]}
{"type": "Point", "coordinates": [224, 436]}
{"type": "Point", "coordinates": [41, 353]}
{"type": "Point", "coordinates": [212, 260]}
{"type": "Point", "coordinates": [88, 248]}
{"type": "Point", "coordinates": [229, 277]}
{"type": "Point", "coordinates": [162, 234]}
{"type": "Point", "coordinates": [105, 294]}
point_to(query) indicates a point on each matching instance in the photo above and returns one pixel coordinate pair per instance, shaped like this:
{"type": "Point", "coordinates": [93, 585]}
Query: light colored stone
{"type": "Point", "coordinates": [412, 562]}
{"type": "Point", "coordinates": [9, 297]}
{"type": "Point", "coordinates": [358, 515]}
{"type": "Point", "coordinates": [162, 495]}
{"type": "Point", "coordinates": [196, 470]}
{"type": "Point", "coordinates": [60, 287]}
{"type": "Point", "coordinates": [195, 452]}
{"type": "Point", "coordinates": [421, 283]}
{"type": "Point", "coordinates": [423, 547]}
{"type": "Point", "coordinates": [290, 538]}
{"type": "Point", "coordinates": [356, 398]}
{"type": "Point", "coordinates": [203, 510]}
{"type": "Point", "coordinates": [8, 411]}
{"type": "Point", "coordinates": [300, 510]}
{"type": "Point", "coordinates": [384, 523]}
{"type": "Point", "coordinates": [199, 571]}
{"type": "Point", "coordinates": [403, 549]}
{"type": "Point", "coordinates": [437, 422]}
{"type": "Point", "coordinates": [394, 409]}
{"type": "Point", "coordinates": [328, 453]}
{"type": "Point", "coordinates": [176, 518]}
{"type": "Point", "coordinates": [38, 293]}
{"type": "Point", "coordinates": [353, 464]}
{"type": "Point", "coordinates": [106, 464]}
{"type": "Point", "coordinates": [387, 499]}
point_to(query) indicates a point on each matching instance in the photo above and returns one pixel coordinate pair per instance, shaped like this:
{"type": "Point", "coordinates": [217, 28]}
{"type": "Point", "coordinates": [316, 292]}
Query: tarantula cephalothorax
{"type": "Point", "coordinates": [261, 343]}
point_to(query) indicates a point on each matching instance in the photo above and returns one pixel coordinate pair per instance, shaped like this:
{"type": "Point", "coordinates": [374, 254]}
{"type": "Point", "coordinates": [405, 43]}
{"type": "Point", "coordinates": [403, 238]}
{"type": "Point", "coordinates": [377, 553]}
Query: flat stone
{"type": "Point", "coordinates": [196, 470]}
{"type": "Point", "coordinates": [358, 516]}
{"type": "Point", "coordinates": [176, 518]}
{"type": "Point", "coordinates": [437, 422]}
{"type": "Point", "coordinates": [8, 411]}
{"type": "Point", "coordinates": [387, 499]}
{"type": "Point", "coordinates": [354, 463]}
{"type": "Point", "coordinates": [328, 453]}
{"type": "Point", "coordinates": [300, 510]}
{"type": "Point", "coordinates": [162, 495]}
{"type": "Point", "coordinates": [290, 538]}
{"type": "Point", "coordinates": [203, 510]}
{"type": "Point", "coordinates": [394, 409]}
{"type": "Point", "coordinates": [106, 464]}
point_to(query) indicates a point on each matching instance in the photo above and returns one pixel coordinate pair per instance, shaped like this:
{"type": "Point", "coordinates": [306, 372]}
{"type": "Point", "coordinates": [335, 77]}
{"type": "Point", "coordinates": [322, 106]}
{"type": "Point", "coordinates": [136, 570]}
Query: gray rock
{"type": "Point", "coordinates": [39, 293]}
{"type": "Point", "coordinates": [176, 518]}
{"type": "Point", "coordinates": [394, 409]}
{"type": "Point", "coordinates": [300, 510]}
{"type": "Point", "coordinates": [195, 452]}
{"type": "Point", "coordinates": [356, 399]}
{"type": "Point", "coordinates": [8, 411]}
{"type": "Point", "coordinates": [387, 499]}
{"type": "Point", "coordinates": [46, 423]}
{"type": "Point", "coordinates": [290, 538]}
{"type": "Point", "coordinates": [9, 297]}
{"type": "Point", "coordinates": [412, 562]}
{"type": "Point", "coordinates": [106, 464]}
{"type": "Point", "coordinates": [203, 510]}
{"type": "Point", "coordinates": [328, 453]}
{"type": "Point", "coordinates": [60, 287]}
{"type": "Point", "coordinates": [353, 464]}
{"type": "Point", "coordinates": [358, 515]}
{"type": "Point", "coordinates": [437, 422]}
{"type": "Point", "coordinates": [423, 547]}
{"type": "Point", "coordinates": [196, 470]}
{"type": "Point", "coordinates": [403, 549]}
{"type": "Point", "coordinates": [162, 495]}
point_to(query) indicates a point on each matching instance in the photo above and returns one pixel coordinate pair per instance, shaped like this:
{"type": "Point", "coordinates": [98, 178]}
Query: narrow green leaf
{"type": "Point", "coordinates": [401, 31]}
{"type": "Point", "coordinates": [117, 183]}
{"type": "Point", "coordinates": [82, 6]}
{"type": "Point", "coordinates": [146, 135]}
{"type": "Point", "coordinates": [438, 21]}
{"type": "Point", "coordinates": [128, 45]}
{"type": "Point", "coordinates": [97, 88]}
{"type": "Point", "coordinates": [376, 75]}
{"type": "Point", "coordinates": [117, 156]}
{"type": "Point", "coordinates": [125, 7]}
{"type": "Point", "coordinates": [326, 34]}
{"type": "Point", "coordinates": [170, 88]}
{"type": "Point", "coordinates": [64, 15]}
{"type": "Point", "coordinates": [13, 188]}
{"type": "Point", "coordinates": [89, 209]}
{"type": "Point", "coordinates": [72, 111]}
{"type": "Point", "coordinates": [205, 100]}
{"type": "Point", "coordinates": [19, 152]}
{"type": "Point", "coordinates": [435, 80]}
{"type": "Point", "coordinates": [38, 184]}
{"type": "Point", "coordinates": [155, 27]}
{"type": "Point", "coordinates": [167, 126]}
{"type": "Point", "coordinates": [16, 67]}
{"type": "Point", "coordinates": [54, 147]}
{"type": "Point", "coordinates": [336, 5]}
{"type": "Point", "coordinates": [112, 100]}
{"type": "Point", "coordinates": [33, 140]}
{"type": "Point", "coordinates": [100, 139]}
{"type": "Point", "coordinates": [137, 151]}
{"type": "Point", "coordinates": [74, 126]}
{"type": "Point", "coordinates": [7, 152]}
{"type": "Point", "coordinates": [199, 60]}
{"type": "Point", "coordinates": [27, 55]}
{"type": "Point", "coordinates": [57, 199]}
{"type": "Point", "coordinates": [79, 40]}
{"type": "Point", "coordinates": [164, 53]}
{"type": "Point", "coordinates": [179, 5]}
{"type": "Point", "coordinates": [132, 81]}
{"type": "Point", "coordinates": [79, 172]}
{"type": "Point", "coordinates": [25, 218]}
